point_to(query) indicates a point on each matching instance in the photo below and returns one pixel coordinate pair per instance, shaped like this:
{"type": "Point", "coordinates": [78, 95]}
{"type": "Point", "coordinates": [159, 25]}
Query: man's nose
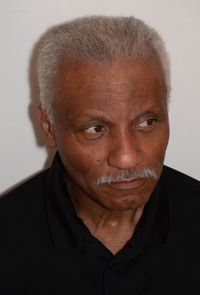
{"type": "Point", "coordinates": [125, 152]}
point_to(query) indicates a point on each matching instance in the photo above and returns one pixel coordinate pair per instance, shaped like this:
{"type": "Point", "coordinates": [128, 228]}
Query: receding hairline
{"type": "Point", "coordinates": [148, 53]}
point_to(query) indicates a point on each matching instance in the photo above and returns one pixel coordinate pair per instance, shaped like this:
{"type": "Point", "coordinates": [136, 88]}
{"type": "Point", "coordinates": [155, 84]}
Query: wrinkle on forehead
{"type": "Point", "coordinates": [104, 86]}
{"type": "Point", "coordinates": [112, 70]}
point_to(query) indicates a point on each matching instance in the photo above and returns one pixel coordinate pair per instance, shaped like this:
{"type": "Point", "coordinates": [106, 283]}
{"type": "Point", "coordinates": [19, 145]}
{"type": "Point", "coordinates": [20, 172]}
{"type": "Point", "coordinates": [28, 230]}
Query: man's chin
{"type": "Point", "coordinates": [125, 202]}
{"type": "Point", "coordinates": [128, 196]}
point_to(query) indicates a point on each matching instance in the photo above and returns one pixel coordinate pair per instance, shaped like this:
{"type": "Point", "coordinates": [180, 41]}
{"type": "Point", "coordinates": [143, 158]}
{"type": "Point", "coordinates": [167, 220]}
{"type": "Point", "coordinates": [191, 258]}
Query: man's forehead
{"type": "Point", "coordinates": [119, 85]}
{"type": "Point", "coordinates": [74, 73]}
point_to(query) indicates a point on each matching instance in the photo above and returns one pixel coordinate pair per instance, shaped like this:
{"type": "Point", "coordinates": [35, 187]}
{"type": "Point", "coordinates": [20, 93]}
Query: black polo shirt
{"type": "Point", "coordinates": [46, 249]}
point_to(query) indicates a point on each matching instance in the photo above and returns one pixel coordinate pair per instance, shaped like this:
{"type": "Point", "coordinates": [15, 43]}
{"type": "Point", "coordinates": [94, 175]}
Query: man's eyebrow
{"type": "Point", "coordinates": [94, 118]}
{"type": "Point", "coordinates": [87, 117]}
{"type": "Point", "coordinates": [153, 110]}
{"type": "Point", "coordinates": [148, 112]}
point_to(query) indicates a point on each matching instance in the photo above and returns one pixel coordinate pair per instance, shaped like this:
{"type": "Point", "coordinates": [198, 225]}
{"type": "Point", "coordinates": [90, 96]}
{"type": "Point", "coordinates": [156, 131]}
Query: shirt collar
{"type": "Point", "coordinates": [154, 221]}
{"type": "Point", "coordinates": [65, 227]}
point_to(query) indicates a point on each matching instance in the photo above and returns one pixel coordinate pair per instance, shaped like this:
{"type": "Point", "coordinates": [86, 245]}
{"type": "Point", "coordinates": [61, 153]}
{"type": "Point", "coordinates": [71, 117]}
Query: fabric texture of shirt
{"type": "Point", "coordinates": [45, 248]}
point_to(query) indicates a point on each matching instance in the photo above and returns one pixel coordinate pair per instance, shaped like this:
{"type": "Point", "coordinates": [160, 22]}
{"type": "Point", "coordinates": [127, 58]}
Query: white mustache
{"type": "Point", "coordinates": [126, 174]}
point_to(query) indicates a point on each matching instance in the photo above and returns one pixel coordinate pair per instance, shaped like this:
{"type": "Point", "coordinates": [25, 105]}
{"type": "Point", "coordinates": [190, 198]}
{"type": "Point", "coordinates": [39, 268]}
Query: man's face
{"type": "Point", "coordinates": [111, 118]}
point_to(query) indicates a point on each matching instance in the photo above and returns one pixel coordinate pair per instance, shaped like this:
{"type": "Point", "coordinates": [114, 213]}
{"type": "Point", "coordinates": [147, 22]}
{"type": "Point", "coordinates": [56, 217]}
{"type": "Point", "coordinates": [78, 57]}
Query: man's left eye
{"type": "Point", "coordinates": [147, 123]}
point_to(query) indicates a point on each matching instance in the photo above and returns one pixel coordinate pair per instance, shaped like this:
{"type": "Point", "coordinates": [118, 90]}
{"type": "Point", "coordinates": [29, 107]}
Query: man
{"type": "Point", "coordinates": [106, 218]}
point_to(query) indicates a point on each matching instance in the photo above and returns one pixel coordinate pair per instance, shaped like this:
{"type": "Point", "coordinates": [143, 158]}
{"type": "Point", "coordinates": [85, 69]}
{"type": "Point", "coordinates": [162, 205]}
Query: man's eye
{"type": "Point", "coordinates": [94, 129]}
{"type": "Point", "coordinates": [147, 123]}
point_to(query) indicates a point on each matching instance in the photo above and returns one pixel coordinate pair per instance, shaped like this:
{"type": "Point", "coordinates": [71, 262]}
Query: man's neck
{"type": "Point", "coordinates": [113, 228]}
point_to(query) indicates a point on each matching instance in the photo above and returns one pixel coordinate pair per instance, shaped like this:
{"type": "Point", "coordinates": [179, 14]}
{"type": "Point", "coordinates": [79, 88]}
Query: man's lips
{"type": "Point", "coordinates": [128, 183]}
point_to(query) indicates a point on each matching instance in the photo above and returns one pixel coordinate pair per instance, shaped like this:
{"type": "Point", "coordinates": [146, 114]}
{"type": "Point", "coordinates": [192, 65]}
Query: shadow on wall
{"type": "Point", "coordinates": [34, 102]}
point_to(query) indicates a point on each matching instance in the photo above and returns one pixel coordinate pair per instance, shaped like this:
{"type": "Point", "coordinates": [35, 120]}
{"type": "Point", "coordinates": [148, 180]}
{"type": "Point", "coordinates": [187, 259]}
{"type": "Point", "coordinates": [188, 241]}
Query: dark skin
{"type": "Point", "coordinates": [109, 118]}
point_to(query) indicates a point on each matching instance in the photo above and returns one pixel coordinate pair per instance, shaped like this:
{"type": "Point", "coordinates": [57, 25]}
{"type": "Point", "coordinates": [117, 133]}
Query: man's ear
{"type": "Point", "coordinates": [47, 127]}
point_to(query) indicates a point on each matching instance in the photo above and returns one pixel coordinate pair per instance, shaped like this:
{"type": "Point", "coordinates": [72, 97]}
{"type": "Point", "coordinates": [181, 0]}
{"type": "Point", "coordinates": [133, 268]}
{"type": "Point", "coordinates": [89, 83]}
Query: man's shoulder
{"type": "Point", "coordinates": [23, 220]}
{"type": "Point", "coordinates": [29, 189]}
{"type": "Point", "coordinates": [180, 181]}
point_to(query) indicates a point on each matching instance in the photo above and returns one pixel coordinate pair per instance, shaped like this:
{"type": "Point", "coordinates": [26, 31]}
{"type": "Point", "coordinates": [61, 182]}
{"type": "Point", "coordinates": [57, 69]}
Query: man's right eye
{"type": "Point", "coordinates": [94, 129]}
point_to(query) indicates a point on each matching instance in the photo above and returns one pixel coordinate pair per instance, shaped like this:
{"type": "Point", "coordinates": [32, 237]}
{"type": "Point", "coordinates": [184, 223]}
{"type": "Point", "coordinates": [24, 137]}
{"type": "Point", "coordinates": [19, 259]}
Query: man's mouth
{"type": "Point", "coordinates": [130, 183]}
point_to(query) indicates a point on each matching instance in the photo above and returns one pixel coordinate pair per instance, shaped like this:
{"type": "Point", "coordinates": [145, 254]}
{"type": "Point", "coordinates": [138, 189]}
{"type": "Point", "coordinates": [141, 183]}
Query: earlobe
{"type": "Point", "coordinates": [47, 127]}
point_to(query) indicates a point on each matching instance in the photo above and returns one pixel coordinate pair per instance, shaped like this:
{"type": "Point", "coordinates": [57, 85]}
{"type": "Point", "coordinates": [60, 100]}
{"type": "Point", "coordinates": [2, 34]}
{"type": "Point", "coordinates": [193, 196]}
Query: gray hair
{"type": "Point", "coordinates": [96, 38]}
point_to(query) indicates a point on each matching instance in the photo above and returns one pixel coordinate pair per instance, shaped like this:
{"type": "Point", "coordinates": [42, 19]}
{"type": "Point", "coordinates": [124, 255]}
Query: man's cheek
{"type": "Point", "coordinates": [83, 164]}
